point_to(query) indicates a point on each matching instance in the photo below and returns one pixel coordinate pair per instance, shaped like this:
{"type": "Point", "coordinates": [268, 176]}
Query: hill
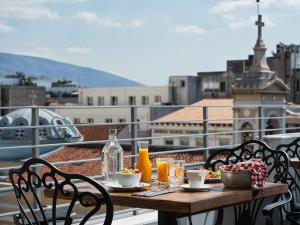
{"type": "Point", "coordinates": [36, 66]}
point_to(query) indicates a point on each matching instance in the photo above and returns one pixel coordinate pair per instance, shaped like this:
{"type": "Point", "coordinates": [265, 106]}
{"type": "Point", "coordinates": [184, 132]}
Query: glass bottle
{"type": "Point", "coordinates": [143, 163]}
{"type": "Point", "coordinates": [112, 157]}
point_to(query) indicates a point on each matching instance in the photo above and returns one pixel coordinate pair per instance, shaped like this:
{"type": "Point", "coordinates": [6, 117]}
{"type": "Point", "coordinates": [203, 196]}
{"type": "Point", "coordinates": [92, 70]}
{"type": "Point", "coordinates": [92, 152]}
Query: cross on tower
{"type": "Point", "coordinates": [259, 23]}
{"type": "Point", "coordinates": [32, 96]}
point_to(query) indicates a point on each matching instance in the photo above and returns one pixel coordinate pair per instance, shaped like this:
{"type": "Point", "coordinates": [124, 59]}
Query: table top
{"type": "Point", "coordinates": [189, 202]}
{"type": "Point", "coordinates": [296, 163]}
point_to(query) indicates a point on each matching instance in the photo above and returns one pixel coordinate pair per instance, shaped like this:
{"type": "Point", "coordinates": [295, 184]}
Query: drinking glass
{"type": "Point", "coordinates": [163, 166]}
{"type": "Point", "coordinates": [176, 173]}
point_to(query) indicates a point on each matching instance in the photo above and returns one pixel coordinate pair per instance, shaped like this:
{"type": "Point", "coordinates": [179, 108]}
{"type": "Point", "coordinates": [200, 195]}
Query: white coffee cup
{"type": "Point", "coordinates": [196, 178]}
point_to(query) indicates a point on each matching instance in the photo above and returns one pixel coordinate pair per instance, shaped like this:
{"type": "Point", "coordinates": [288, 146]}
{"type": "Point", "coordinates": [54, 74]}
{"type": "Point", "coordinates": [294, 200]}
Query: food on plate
{"type": "Point", "coordinates": [129, 171]}
{"type": "Point", "coordinates": [211, 174]}
{"type": "Point", "coordinates": [128, 177]}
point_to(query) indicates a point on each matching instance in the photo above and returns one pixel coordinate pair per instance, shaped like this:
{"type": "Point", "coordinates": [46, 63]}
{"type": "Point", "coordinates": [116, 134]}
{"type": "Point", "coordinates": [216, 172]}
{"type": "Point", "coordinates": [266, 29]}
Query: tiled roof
{"type": "Point", "coordinates": [94, 168]}
{"type": "Point", "coordinates": [70, 153]}
{"type": "Point", "coordinates": [97, 132]}
{"type": "Point", "coordinates": [216, 115]}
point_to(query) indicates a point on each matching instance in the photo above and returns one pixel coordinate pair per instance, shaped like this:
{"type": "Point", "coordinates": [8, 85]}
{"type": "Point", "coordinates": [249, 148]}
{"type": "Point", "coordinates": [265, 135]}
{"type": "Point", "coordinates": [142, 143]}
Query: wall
{"type": "Point", "coordinates": [123, 94]}
{"type": "Point", "coordinates": [20, 96]}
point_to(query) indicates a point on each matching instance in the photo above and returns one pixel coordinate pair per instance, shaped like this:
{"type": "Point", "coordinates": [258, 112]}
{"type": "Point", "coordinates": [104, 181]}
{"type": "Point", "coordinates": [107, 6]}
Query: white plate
{"type": "Point", "coordinates": [120, 188]}
{"type": "Point", "coordinates": [187, 187]}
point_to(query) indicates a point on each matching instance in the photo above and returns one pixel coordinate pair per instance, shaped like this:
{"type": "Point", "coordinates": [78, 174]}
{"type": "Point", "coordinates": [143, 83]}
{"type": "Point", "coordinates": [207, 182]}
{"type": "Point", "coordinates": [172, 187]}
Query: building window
{"type": "Point", "coordinates": [176, 131]}
{"type": "Point", "coordinates": [114, 100]}
{"type": "Point", "coordinates": [90, 120]}
{"type": "Point", "coordinates": [222, 87]}
{"type": "Point", "coordinates": [182, 83]}
{"type": "Point", "coordinates": [160, 131]}
{"type": "Point", "coordinates": [169, 141]}
{"type": "Point", "coordinates": [157, 99]}
{"type": "Point", "coordinates": [90, 101]}
{"type": "Point", "coordinates": [145, 100]}
{"type": "Point", "coordinates": [210, 86]}
{"type": "Point", "coordinates": [224, 141]}
{"type": "Point", "coordinates": [108, 120]}
{"type": "Point", "coordinates": [76, 120]}
{"type": "Point", "coordinates": [131, 100]}
{"type": "Point", "coordinates": [192, 132]}
{"type": "Point", "coordinates": [298, 85]}
{"type": "Point", "coordinates": [122, 120]}
{"type": "Point", "coordinates": [184, 141]}
{"type": "Point", "coordinates": [101, 100]}
{"type": "Point", "coordinates": [199, 141]}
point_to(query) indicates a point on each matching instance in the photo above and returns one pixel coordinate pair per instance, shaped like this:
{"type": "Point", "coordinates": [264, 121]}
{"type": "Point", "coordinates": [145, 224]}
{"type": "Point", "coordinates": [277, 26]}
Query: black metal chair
{"type": "Point", "coordinates": [293, 209]}
{"type": "Point", "coordinates": [277, 163]}
{"type": "Point", "coordinates": [27, 184]}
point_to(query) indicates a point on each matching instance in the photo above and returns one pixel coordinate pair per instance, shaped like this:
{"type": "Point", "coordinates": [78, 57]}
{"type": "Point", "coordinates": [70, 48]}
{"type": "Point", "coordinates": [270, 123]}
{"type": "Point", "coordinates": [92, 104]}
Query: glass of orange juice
{"type": "Point", "coordinates": [163, 166]}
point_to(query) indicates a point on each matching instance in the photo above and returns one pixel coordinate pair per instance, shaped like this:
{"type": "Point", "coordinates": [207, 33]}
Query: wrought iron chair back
{"type": "Point", "coordinates": [27, 184]}
{"type": "Point", "coordinates": [276, 161]}
{"type": "Point", "coordinates": [293, 151]}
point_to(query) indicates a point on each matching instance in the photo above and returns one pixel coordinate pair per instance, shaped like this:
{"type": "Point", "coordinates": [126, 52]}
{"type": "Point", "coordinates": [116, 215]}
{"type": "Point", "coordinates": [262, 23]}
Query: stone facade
{"type": "Point", "coordinates": [21, 96]}
{"type": "Point", "coordinates": [258, 86]}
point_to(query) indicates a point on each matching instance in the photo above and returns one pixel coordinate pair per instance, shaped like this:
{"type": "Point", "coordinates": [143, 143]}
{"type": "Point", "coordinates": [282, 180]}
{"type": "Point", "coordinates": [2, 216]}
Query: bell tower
{"type": "Point", "coordinates": [258, 93]}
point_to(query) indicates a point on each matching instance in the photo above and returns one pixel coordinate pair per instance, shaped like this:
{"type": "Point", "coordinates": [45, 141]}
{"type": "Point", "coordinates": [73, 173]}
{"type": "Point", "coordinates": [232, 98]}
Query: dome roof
{"type": "Point", "coordinates": [22, 117]}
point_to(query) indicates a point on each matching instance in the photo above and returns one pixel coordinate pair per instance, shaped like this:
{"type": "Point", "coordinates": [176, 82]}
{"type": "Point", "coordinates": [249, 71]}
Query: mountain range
{"type": "Point", "coordinates": [36, 66]}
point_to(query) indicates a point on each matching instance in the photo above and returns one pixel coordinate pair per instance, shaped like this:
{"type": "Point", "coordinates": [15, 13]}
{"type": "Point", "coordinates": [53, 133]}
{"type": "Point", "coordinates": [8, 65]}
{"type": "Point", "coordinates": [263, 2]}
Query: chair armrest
{"type": "Point", "coordinates": [268, 209]}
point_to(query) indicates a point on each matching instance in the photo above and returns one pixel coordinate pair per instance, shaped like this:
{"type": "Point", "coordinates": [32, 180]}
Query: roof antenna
{"type": "Point", "coordinates": [257, 1]}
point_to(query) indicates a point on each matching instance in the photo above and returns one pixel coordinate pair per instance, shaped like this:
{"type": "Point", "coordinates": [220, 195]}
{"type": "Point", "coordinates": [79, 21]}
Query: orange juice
{"type": "Point", "coordinates": [162, 171]}
{"type": "Point", "coordinates": [144, 165]}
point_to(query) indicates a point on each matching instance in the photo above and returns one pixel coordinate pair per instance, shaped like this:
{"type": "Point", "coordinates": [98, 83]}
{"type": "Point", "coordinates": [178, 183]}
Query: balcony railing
{"type": "Point", "coordinates": [207, 127]}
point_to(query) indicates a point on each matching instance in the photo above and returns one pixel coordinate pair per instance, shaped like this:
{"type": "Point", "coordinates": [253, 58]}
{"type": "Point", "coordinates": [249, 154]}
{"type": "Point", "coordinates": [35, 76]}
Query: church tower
{"type": "Point", "coordinates": [258, 86]}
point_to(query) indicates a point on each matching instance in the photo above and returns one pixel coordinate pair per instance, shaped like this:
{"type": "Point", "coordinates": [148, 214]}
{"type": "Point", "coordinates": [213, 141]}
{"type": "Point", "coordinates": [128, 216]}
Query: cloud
{"type": "Point", "coordinates": [93, 18]}
{"type": "Point", "coordinates": [237, 24]}
{"type": "Point", "coordinates": [4, 28]}
{"type": "Point", "coordinates": [136, 23]}
{"type": "Point", "coordinates": [78, 50]}
{"type": "Point", "coordinates": [188, 29]}
{"type": "Point", "coordinates": [225, 6]}
{"type": "Point", "coordinates": [25, 9]}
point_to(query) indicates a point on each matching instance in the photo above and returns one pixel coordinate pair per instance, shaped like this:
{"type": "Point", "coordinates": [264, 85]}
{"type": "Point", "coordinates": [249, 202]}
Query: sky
{"type": "Point", "coordinates": [145, 40]}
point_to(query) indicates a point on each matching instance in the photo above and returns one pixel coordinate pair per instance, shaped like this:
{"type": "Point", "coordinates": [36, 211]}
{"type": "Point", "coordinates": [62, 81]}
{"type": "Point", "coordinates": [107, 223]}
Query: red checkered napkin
{"type": "Point", "coordinates": [257, 167]}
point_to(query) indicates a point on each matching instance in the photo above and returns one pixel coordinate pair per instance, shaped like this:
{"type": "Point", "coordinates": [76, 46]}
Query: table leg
{"type": "Point", "coordinates": [166, 218]}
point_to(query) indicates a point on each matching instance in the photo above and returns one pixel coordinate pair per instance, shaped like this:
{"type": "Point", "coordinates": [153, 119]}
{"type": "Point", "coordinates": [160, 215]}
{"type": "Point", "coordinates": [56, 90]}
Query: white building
{"type": "Point", "coordinates": [184, 127]}
{"type": "Point", "coordinates": [121, 98]}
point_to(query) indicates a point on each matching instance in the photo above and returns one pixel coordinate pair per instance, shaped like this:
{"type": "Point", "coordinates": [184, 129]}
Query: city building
{"type": "Point", "coordinates": [21, 96]}
{"type": "Point", "coordinates": [186, 125]}
{"type": "Point", "coordinates": [285, 62]}
{"type": "Point", "coordinates": [116, 103]}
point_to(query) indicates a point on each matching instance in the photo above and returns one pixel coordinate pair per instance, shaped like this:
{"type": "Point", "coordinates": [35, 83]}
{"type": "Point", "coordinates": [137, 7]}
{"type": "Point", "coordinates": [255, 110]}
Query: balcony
{"type": "Point", "coordinates": [189, 132]}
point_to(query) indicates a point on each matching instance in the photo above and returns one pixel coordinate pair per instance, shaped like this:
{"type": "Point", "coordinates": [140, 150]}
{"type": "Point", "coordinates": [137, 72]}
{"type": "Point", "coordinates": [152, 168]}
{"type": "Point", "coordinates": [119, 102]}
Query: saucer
{"type": "Point", "coordinates": [204, 187]}
{"type": "Point", "coordinates": [120, 188]}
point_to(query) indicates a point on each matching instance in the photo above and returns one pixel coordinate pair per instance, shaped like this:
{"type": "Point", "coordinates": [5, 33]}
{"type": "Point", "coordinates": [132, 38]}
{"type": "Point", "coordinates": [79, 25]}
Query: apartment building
{"type": "Point", "coordinates": [115, 104]}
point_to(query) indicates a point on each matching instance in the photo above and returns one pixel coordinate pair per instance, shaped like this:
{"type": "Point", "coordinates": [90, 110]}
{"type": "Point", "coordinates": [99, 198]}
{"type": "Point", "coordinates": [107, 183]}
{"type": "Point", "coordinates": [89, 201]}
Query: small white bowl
{"type": "Point", "coordinates": [128, 180]}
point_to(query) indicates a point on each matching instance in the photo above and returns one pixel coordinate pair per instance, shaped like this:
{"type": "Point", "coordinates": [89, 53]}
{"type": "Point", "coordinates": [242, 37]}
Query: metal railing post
{"type": "Point", "coordinates": [35, 141]}
{"type": "Point", "coordinates": [35, 132]}
{"type": "Point", "coordinates": [260, 123]}
{"type": "Point", "coordinates": [205, 130]}
{"type": "Point", "coordinates": [133, 128]}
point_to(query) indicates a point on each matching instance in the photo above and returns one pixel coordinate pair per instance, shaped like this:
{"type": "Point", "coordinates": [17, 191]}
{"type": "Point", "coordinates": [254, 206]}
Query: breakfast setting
{"type": "Point", "coordinates": [169, 175]}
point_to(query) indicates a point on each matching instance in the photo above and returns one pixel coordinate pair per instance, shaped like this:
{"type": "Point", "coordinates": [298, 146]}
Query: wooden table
{"type": "Point", "coordinates": [296, 163]}
{"type": "Point", "coordinates": [180, 203]}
